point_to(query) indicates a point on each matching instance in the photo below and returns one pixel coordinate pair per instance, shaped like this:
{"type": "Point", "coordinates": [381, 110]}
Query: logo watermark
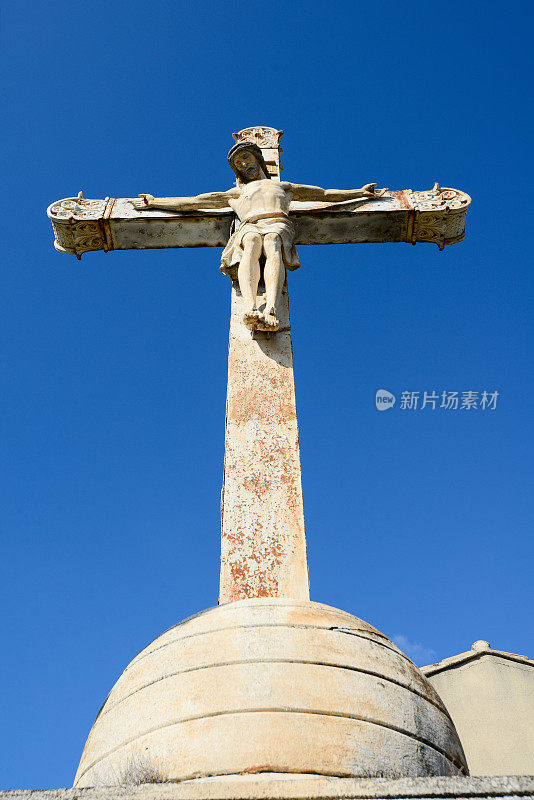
{"type": "Point", "coordinates": [384, 399]}
{"type": "Point", "coordinates": [469, 400]}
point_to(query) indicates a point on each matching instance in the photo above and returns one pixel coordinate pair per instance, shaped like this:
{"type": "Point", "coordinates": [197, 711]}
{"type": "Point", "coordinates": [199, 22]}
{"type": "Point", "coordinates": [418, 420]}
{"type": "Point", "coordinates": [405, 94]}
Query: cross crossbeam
{"type": "Point", "coordinates": [437, 215]}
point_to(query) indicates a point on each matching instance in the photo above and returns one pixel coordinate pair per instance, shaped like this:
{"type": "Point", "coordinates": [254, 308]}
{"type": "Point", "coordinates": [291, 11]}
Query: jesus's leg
{"type": "Point", "coordinates": [249, 276]}
{"type": "Point", "coordinates": [274, 274]}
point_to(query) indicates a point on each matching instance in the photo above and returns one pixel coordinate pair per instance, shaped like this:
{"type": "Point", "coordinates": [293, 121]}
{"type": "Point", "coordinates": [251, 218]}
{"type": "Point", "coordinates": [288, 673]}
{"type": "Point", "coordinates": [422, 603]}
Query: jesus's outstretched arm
{"type": "Point", "coordinates": [208, 200]}
{"type": "Point", "coordinates": [303, 192]}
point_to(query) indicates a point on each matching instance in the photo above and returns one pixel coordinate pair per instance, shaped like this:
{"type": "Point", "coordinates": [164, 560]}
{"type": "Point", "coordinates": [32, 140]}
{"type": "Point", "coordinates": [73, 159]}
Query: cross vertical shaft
{"type": "Point", "coordinates": [263, 543]}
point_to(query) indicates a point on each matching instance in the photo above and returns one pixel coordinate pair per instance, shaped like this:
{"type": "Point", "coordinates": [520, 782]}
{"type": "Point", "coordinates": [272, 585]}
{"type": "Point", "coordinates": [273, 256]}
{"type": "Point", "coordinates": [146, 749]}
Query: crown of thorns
{"type": "Point", "coordinates": [250, 147]}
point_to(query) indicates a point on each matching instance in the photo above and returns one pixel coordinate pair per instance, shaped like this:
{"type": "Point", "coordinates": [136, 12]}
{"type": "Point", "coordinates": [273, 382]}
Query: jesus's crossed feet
{"type": "Point", "coordinates": [266, 321]}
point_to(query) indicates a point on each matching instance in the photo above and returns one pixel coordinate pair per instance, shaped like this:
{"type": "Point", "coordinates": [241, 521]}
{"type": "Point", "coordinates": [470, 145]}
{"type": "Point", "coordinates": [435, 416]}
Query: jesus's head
{"type": "Point", "coordinates": [247, 162]}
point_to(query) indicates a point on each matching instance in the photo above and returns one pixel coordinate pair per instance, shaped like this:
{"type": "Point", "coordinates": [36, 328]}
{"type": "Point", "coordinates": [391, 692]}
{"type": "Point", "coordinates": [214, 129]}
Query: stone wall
{"type": "Point", "coordinates": [287, 788]}
{"type": "Point", "coordinates": [490, 697]}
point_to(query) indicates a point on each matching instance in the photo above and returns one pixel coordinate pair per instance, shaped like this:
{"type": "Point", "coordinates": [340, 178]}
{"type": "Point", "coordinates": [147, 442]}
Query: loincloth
{"type": "Point", "coordinates": [281, 225]}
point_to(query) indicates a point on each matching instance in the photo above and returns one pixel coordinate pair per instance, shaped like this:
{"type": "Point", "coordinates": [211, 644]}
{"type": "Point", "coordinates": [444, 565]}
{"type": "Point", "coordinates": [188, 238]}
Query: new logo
{"type": "Point", "coordinates": [384, 400]}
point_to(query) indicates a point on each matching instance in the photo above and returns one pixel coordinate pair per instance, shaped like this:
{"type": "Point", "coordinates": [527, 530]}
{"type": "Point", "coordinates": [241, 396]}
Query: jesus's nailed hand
{"type": "Point", "coordinates": [371, 191]}
{"type": "Point", "coordinates": [146, 200]}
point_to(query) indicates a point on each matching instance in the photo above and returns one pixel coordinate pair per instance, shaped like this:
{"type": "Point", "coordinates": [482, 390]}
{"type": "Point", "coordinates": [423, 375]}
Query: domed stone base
{"type": "Point", "coordinates": [270, 686]}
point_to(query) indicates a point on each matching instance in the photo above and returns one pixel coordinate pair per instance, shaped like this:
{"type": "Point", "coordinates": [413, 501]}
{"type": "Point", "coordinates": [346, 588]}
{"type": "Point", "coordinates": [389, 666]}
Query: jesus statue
{"type": "Point", "coordinates": [265, 228]}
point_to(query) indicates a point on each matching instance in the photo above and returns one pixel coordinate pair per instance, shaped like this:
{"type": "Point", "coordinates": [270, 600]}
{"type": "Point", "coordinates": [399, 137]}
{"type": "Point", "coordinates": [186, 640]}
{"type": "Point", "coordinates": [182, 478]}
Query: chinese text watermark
{"type": "Point", "coordinates": [469, 400]}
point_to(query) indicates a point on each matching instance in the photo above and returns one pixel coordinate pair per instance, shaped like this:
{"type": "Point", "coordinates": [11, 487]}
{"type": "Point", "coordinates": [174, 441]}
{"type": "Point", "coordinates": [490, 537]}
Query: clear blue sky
{"type": "Point", "coordinates": [114, 368]}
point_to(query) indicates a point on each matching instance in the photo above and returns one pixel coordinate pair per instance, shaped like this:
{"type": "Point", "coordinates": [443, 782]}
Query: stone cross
{"type": "Point", "coordinates": [259, 222]}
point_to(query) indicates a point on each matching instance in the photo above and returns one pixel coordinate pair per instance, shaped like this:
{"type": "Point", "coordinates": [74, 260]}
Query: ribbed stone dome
{"type": "Point", "coordinates": [270, 686]}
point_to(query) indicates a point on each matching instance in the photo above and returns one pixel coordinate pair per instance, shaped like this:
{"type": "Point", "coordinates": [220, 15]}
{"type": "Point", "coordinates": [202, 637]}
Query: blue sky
{"type": "Point", "coordinates": [114, 368]}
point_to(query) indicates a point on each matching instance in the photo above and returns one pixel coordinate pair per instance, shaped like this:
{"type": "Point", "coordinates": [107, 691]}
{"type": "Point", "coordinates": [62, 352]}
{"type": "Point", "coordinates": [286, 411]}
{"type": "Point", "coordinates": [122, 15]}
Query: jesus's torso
{"type": "Point", "coordinates": [262, 197]}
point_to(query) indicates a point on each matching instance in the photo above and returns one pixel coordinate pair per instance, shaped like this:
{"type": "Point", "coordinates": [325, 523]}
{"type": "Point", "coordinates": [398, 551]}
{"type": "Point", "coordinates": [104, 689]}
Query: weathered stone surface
{"type": "Point", "coordinates": [490, 696]}
{"type": "Point", "coordinates": [292, 787]}
{"type": "Point", "coordinates": [270, 685]}
{"type": "Point", "coordinates": [263, 545]}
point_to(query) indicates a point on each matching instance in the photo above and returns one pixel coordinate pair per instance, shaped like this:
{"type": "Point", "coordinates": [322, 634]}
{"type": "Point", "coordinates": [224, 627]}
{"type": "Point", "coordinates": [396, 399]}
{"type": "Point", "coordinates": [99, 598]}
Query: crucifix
{"type": "Point", "coordinates": [259, 222]}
